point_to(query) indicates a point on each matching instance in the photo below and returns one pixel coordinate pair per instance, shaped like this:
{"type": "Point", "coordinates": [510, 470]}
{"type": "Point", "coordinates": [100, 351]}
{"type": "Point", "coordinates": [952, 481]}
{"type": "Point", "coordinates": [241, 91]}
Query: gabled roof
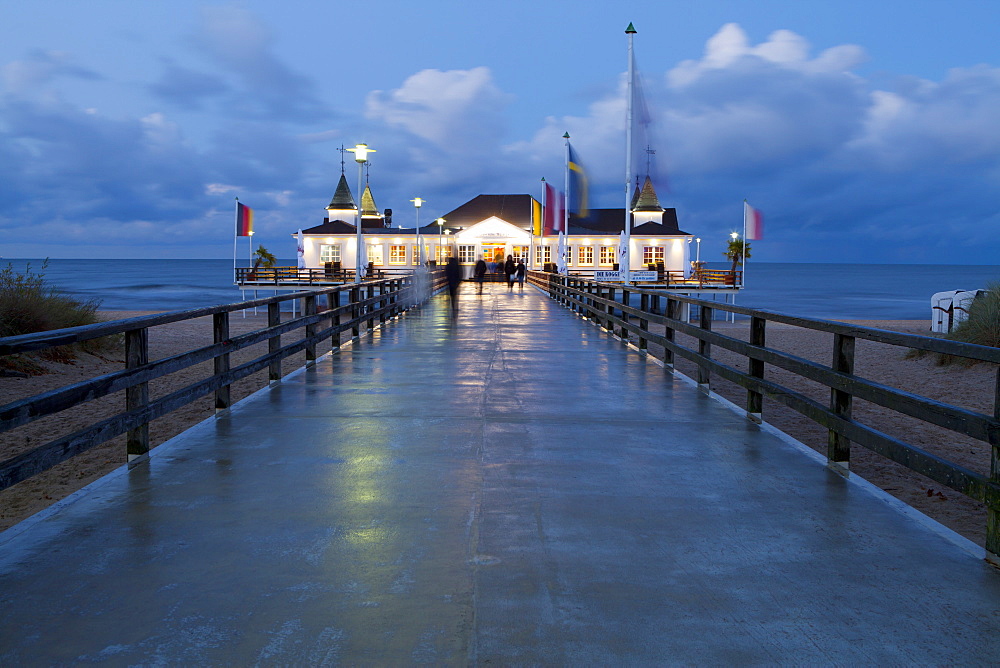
{"type": "Point", "coordinates": [332, 227]}
{"type": "Point", "coordinates": [612, 221]}
{"type": "Point", "coordinates": [647, 200]}
{"type": "Point", "coordinates": [368, 207]}
{"type": "Point", "coordinates": [515, 209]}
{"type": "Point", "coordinates": [342, 198]}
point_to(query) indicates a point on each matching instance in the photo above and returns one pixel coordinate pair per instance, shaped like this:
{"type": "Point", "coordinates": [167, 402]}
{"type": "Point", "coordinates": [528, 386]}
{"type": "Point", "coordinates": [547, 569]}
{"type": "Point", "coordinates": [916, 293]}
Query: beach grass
{"type": "Point", "coordinates": [29, 303]}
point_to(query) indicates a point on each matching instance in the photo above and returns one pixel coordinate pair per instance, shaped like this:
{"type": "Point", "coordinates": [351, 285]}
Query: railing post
{"type": "Point", "coordinates": [355, 312]}
{"type": "Point", "coordinates": [220, 331]}
{"type": "Point", "coordinates": [610, 326]}
{"type": "Point", "coordinates": [705, 349]}
{"type": "Point", "coordinates": [335, 304]}
{"type": "Point", "coordinates": [310, 309]}
{"type": "Point", "coordinates": [137, 396]}
{"type": "Point", "coordinates": [625, 320]}
{"type": "Point", "coordinates": [755, 400]}
{"type": "Point", "coordinates": [370, 308]}
{"type": "Point", "coordinates": [274, 342]}
{"type": "Point", "coordinates": [643, 323]}
{"type": "Point", "coordinates": [383, 302]}
{"type": "Point", "coordinates": [993, 510]}
{"type": "Point", "coordinates": [668, 333]}
{"type": "Point", "coordinates": [838, 449]}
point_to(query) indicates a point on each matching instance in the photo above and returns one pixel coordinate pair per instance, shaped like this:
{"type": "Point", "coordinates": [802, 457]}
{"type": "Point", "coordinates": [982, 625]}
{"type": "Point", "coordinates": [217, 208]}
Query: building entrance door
{"type": "Point", "coordinates": [495, 253]}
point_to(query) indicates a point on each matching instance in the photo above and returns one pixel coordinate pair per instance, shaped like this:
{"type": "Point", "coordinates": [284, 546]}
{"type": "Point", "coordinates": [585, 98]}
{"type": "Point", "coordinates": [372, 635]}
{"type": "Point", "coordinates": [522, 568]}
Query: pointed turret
{"type": "Point", "coordinates": [342, 198]}
{"type": "Point", "coordinates": [647, 200]}
{"type": "Point", "coordinates": [368, 208]}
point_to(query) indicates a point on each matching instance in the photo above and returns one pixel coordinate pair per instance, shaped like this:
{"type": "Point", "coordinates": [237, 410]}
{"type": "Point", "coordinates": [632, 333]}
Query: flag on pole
{"type": "Point", "coordinates": [753, 222]}
{"type": "Point", "coordinates": [536, 217]}
{"type": "Point", "coordinates": [244, 220]}
{"type": "Point", "coordinates": [553, 217]}
{"type": "Point", "coordinates": [578, 185]}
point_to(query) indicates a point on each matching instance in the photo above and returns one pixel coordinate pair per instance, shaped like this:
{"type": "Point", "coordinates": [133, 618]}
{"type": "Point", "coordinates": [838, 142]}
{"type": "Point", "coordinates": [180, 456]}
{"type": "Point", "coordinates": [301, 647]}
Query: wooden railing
{"type": "Point", "coordinates": [312, 276]}
{"type": "Point", "coordinates": [609, 306]}
{"type": "Point", "coordinates": [327, 313]}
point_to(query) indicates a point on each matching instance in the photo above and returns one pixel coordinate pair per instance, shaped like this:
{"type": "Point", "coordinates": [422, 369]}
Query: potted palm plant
{"type": "Point", "coordinates": [736, 250]}
{"type": "Point", "coordinates": [263, 259]}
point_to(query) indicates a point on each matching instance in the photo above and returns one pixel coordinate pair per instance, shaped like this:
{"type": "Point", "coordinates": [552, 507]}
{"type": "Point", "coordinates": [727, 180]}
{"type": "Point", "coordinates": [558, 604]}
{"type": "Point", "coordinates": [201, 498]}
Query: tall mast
{"type": "Point", "coordinates": [627, 274]}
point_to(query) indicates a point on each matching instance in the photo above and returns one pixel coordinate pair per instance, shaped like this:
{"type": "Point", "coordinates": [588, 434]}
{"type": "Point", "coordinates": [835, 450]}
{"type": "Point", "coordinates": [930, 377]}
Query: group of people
{"type": "Point", "coordinates": [513, 272]}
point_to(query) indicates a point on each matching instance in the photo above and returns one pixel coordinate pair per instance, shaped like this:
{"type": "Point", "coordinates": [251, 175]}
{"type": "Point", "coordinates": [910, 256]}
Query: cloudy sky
{"type": "Point", "coordinates": [865, 131]}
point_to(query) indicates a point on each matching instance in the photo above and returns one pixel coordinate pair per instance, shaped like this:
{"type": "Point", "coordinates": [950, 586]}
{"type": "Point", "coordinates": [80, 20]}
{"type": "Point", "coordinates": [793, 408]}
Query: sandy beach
{"type": "Point", "coordinates": [970, 387]}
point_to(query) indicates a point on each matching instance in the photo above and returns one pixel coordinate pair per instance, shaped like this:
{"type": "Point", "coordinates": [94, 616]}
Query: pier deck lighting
{"type": "Point", "coordinates": [440, 253]}
{"type": "Point", "coordinates": [697, 250]}
{"type": "Point", "coordinates": [417, 203]}
{"type": "Point", "coordinates": [360, 152]}
{"type": "Point", "coordinates": [734, 235]}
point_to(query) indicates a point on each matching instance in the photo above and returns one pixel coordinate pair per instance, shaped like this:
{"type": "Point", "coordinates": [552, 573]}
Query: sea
{"type": "Point", "coordinates": [829, 291]}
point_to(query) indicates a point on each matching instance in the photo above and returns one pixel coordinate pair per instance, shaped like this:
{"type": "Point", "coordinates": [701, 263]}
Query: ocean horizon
{"type": "Point", "coordinates": [815, 290]}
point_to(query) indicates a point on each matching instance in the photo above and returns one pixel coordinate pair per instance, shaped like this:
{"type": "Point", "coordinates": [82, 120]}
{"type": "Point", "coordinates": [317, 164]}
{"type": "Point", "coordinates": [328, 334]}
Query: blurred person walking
{"type": "Point", "coordinates": [453, 272]}
{"type": "Point", "coordinates": [508, 269]}
{"type": "Point", "coordinates": [480, 273]}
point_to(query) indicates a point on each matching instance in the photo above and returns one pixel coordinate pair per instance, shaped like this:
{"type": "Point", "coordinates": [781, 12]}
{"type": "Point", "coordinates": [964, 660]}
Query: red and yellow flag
{"type": "Point", "coordinates": [244, 220]}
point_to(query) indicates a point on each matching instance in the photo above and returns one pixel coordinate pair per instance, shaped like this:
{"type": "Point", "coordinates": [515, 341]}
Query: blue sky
{"type": "Point", "coordinates": [865, 131]}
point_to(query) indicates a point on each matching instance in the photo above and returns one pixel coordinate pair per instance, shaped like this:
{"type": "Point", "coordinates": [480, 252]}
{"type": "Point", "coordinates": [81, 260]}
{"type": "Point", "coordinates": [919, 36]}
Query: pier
{"type": "Point", "coordinates": [508, 485]}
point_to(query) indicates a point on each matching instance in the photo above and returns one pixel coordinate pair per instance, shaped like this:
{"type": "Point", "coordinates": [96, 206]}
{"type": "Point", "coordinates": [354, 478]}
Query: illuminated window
{"type": "Point", "coordinates": [443, 253]}
{"type": "Point", "coordinates": [397, 254]}
{"type": "Point", "coordinates": [609, 255]}
{"type": "Point", "coordinates": [520, 253]}
{"type": "Point", "coordinates": [467, 254]}
{"type": "Point", "coordinates": [543, 255]}
{"type": "Point", "coordinates": [569, 255]}
{"type": "Point", "coordinates": [585, 256]}
{"type": "Point", "coordinates": [652, 254]}
{"type": "Point", "coordinates": [375, 254]}
{"type": "Point", "coordinates": [329, 253]}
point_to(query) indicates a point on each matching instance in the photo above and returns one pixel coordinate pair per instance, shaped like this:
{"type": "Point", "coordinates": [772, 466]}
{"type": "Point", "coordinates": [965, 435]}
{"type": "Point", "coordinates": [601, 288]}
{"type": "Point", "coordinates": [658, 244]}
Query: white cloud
{"type": "Point", "coordinates": [449, 109]}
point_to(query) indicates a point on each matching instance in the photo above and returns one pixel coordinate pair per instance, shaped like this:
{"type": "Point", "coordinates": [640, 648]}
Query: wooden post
{"type": "Point", "coordinates": [705, 350]}
{"type": "Point", "coordinates": [310, 309]}
{"type": "Point", "coordinates": [610, 325]}
{"type": "Point", "coordinates": [220, 330]}
{"type": "Point", "coordinates": [643, 323]}
{"type": "Point", "coordinates": [668, 334]}
{"type": "Point", "coordinates": [992, 510]}
{"type": "Point", "coordinates": [755, 400]}
{"type": "Point", "coordinates": [274, 342]}
{"type": "Point", "coordinates": [137, 396]}
{"type": "Point", "coordinates": [383, 302]}
{"type": "Point", "coordinates": [838, 449]}
{"type": "Point", "coordinates": [370, 294]}
{"type": "Point", "coordinates": [355, 312]}
{"type": "Point", "coordinates": [625, 320]}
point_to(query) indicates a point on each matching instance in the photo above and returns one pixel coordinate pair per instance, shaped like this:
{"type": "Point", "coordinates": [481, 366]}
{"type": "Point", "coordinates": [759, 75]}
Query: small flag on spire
{"type": "Point", "coordinates": [244, 220]}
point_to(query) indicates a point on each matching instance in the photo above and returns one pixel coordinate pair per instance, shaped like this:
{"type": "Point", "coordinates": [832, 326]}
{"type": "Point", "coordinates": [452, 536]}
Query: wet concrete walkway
{"type": "Point", "coordinates": [508, 487]}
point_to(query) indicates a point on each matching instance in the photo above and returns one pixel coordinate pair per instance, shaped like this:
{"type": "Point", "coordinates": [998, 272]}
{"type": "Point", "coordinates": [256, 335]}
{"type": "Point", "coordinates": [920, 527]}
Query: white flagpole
{"type": "Point", "coordinates": [568, 196]}
{"type": "Point", "coordinates": [627, 275]}
{"type": "Point", "coordinates": [743, 276]}
{"type": "Point", "coordinates": [235, 235]}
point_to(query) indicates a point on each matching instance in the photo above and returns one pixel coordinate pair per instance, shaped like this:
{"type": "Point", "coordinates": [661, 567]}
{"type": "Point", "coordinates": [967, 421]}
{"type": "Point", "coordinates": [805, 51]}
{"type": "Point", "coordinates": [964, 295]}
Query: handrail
{"type": "Point", "coordinates": [362, 304]}
{"type": "Point", "coordinates": [610, 306]}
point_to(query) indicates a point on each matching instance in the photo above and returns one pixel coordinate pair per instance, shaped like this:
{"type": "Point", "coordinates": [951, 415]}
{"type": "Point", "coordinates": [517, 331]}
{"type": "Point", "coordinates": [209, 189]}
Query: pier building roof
{"type": "Point", "coordinates": [342, 198]}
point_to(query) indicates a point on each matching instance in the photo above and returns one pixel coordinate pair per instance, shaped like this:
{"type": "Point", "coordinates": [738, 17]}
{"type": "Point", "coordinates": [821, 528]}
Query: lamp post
{"type": "Point", "coordinates": [440, 222]}
{"type": "Point", "coordinates": [417, 203]}
{"type": "Point", "coordinates": [360, 152]}
{"type": "Point", "coordinates": [697, 251]}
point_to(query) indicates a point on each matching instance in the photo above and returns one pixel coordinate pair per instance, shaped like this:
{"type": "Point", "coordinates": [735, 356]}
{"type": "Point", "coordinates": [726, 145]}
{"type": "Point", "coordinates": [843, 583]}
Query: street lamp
{"type": "Point", "coordinates": [440, 222]}
{"type": "Point", "coordinates": [417, 203]}
{"type": "Point", "coordinates": [360, 152]}
{"type": "Point", "coordinates": [697, 250]}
